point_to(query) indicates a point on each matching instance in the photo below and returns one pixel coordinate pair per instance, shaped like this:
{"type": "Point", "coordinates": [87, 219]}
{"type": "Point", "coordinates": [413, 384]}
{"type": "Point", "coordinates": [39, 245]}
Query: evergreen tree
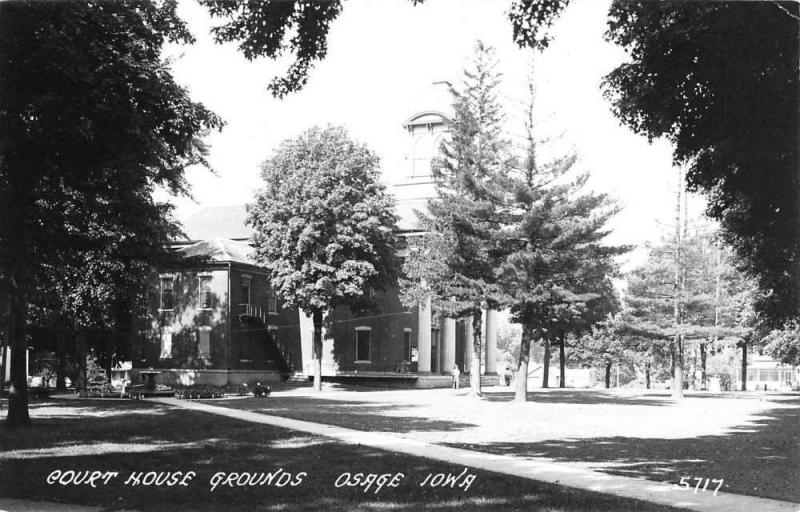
{"type": "Point", "coordinates": [707, 297]}
{"type": "Point", "coordinates": [556, 268]}
{"type": "Point", "coordinates": [719, 80]}
{"type": "Point", "coordinates": [454, 262]}
{"type": "Point", "coordinates": [324, 226]}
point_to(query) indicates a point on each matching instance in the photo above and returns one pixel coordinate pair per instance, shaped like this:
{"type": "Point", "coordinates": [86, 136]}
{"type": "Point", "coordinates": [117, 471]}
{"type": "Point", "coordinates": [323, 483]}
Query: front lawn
{"type": "Point", "coordinates": [750, 441]}
{"type": "Point", "coordinates": [134, 438]}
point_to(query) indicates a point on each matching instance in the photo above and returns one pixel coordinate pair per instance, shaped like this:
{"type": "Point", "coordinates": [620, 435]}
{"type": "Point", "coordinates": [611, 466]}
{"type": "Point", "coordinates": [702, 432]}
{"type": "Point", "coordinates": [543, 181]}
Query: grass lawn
{"type": "Point", "coordinates": [752, 442]}
{"type": "Point", "coordinates": [130, 437]}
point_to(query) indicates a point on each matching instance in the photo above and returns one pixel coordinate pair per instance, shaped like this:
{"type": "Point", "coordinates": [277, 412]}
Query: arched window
{"type": "Point", "coordinates": [422, 155]}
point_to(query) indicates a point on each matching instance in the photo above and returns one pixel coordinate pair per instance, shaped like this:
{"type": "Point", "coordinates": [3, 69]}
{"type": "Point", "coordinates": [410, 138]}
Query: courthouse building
{"type": "Point", "coordinates": [215, 319]}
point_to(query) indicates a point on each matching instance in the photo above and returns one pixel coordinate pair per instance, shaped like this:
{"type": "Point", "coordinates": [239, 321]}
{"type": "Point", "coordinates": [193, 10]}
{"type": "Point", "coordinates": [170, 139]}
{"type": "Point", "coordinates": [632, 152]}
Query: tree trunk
{"type": "Point", "coordinates": [521, 393]}
{"type": "Point", "coordinates": [562, 363]}
{"type": "Point", "coordinates": [18, 391]}
{"type": "Point", "coordinates": [703, 375]}
{"type": "Point", "coordinates": [546, 364]}
{"type": "Point", "coordinates": [110, 354]}
{"type": "Point", "coordinates": [677, 387]}
{"type": "Point", "coordinates": [80, 385]}
{"type": "Point", "coordinates": [677, 381]}
{"type": "Point", "coordinates": [744, 366]}
{"type": "Point", "coordinates": [317, 349]}
{"type": "Point", "coordinates": [608, 375]}
{"type": "Point", "coordinates": [671, 358]}
{"type": "Point", "coordinates": [647, 375]}
{"type": "Point", "coordinates": [61, 355]}
{"type": "Point", "coordinates": [475, 368]}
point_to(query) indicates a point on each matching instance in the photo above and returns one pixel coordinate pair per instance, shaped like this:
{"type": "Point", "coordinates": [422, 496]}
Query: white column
{"type": "Point", "coordinates": [468, 340]}
{"type": "Point", "coordinates": [448, 344]}
{"type": "Point", "coordinates": [27, 362]}
{"type": "Point", "coordinates": [491, 342]}
{"type": "Point", "coordinates": [307, 343]}
{"type": "Point", "coordinates": [424, 338]}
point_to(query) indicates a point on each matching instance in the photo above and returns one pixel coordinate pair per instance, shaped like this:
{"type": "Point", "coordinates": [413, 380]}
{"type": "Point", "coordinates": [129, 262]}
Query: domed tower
{"type": "Point", "coordinates": [425, 131]}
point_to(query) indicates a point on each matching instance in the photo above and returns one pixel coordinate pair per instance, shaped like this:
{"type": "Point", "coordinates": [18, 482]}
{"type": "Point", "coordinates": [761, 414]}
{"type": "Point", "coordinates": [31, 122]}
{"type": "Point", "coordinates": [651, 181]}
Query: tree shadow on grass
{"type": "Point", "coordinates": [582, 397]}
{"type": "Point", "coordinates": [761, 458]}
{"type": "Point", "coordinates": [358, 415]}
{"type": "Point", "coordinates": [184, 441]}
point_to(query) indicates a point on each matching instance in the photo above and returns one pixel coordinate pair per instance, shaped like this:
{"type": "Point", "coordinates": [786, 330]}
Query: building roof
{"type": "Point", "coordinates": [219, 249]}
{"type": "Point", "coordinates": [228, 222]}
{"type": "Point", "coordinates": [760, 362]}
{"type": "Point", "coordinates": [218, 221]}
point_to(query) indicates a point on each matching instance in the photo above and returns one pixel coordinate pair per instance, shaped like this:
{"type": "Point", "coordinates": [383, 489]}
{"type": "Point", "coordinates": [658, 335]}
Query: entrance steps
{"type": "Point", "coordinates": [297, 377]}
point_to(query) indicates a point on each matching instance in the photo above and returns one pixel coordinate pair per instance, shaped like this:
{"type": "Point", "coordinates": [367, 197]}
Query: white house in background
{"type": "Point", "coordinates": [767, 374]}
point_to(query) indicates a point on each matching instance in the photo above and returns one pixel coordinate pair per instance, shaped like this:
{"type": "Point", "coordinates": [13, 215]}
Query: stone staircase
{"type": "Point", "coordinates": [490, 380]}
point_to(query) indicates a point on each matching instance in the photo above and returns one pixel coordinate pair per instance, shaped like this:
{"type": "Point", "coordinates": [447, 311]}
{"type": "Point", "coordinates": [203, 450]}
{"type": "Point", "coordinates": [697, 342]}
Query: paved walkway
{"type": "Point", "coordinates": [15, 505]}
{"type": "Point", "coordinates": [555, 473]}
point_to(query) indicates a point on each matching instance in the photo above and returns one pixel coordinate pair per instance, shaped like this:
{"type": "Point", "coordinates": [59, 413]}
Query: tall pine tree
{"type": "Point", "coordinates": [556, 269]}
{"type": "Point", "coordinates": [698, 299]}
{"type": "Point", "coordinates": [454, 262]}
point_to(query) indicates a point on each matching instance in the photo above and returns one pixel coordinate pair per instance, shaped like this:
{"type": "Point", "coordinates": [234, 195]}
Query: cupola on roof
{"type": "Point", "coordinates": [431, 105]}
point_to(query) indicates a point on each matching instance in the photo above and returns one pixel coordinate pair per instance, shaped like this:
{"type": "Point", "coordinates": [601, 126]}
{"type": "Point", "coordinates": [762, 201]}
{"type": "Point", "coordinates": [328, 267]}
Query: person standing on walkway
{"type": "Point", "coordinates": [456, 373]}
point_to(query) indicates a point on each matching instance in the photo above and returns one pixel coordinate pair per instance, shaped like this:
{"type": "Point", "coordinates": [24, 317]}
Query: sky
{"type": "Point", "coordinates": [381, 54]}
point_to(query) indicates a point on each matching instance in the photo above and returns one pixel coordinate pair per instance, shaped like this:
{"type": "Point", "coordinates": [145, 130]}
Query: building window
{"type": "Point", "coordinates": [244, 301]}
{"type": "Point", "coordinates": [362, 343]}
{"type": "Point", "coordinates": [204, 293]}
{"type": "Point", "coordinates": [167, 293]}
{"type": "Point", "coordinates": [435, 350]}
{"type": "Point", "coordinates": [408, 350]}
{"type": "Point", "coordinates": [204, 343]}
{"type": "Point", "coordinates": [246, 347]}
{"type": "Point", "coordinates": [272, 299]}
{"type": "Point", "coordinates": [166, 345]}
{"type": "Point", "coordinates": [421, 163]}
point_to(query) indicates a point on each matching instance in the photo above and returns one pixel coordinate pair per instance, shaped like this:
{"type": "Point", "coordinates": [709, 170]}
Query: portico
{"type": "Point", "coordinates": [451, 344]}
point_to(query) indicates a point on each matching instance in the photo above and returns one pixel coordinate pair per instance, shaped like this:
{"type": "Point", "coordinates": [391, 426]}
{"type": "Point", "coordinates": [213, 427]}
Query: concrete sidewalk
{"type": "Point", "coordinates": [15, 505]}
{"type": "Point", "coordinates": [555, 473]}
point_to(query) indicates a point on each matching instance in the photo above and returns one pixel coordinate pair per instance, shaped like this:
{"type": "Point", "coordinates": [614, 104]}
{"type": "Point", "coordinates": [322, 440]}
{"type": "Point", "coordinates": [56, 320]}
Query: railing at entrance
{"type": "Point", "coordinates": [255, 314]}
{"type": "Point", "coordinates": [252, 311]}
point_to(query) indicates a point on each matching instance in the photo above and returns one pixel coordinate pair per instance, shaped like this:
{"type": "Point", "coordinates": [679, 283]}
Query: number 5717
{"type": "Point", "coordinates": [686, 484]}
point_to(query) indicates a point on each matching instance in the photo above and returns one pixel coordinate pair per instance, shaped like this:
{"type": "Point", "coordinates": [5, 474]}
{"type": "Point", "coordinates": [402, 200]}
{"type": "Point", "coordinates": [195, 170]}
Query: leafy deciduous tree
{"type": "Point", "coordinates": [91, 122]}
{"type": "Point", "coordinates": [324, 225]}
